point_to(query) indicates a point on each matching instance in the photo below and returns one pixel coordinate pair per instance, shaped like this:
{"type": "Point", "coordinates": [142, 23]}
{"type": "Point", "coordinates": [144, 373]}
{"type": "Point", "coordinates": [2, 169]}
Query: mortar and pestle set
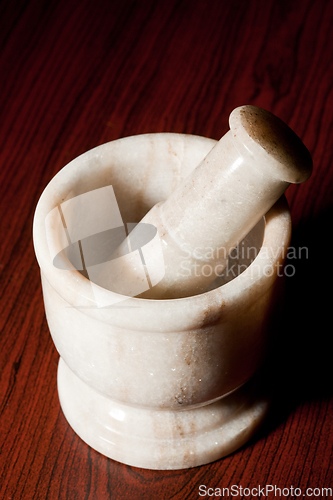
{"type": "Point", "coordinates": [160, 334]}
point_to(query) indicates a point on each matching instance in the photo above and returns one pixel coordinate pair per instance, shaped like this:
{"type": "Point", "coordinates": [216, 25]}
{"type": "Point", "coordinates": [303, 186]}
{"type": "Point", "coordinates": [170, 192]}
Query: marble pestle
{"type": "Point", "coordinates": [224, 197]}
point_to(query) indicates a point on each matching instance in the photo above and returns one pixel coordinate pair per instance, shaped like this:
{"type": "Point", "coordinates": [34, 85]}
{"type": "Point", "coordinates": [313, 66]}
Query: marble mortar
{"type": "Point", "coordinates": [159, 384]}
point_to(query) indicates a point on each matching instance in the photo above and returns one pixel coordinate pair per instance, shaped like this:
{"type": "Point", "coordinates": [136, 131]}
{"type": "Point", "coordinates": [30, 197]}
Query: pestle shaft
{"type": "Point", "coordinates": [213, 209]}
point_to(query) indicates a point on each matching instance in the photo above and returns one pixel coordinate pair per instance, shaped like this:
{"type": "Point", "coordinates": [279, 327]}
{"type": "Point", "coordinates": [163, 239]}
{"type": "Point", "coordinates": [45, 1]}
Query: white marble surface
{"type": "Point", "coordinates": [156, 439]}
{"type": "Point", "coordinates": [155, 356]}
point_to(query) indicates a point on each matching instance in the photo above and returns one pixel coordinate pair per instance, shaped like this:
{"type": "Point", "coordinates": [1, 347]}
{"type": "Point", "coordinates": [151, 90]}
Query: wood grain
{"type": "Point", "coordinates": [77, 74]}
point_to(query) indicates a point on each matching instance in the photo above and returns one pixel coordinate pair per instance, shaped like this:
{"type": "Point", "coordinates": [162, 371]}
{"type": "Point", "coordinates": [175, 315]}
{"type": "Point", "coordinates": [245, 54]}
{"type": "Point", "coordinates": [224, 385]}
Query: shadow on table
{"type": "Point", "coordinates": [300, 367]}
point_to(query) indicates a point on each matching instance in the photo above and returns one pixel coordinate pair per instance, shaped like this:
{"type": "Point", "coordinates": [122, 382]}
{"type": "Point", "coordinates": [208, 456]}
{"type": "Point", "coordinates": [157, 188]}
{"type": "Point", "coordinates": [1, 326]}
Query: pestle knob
{"type": "Point", "coordinates": [214, 208]}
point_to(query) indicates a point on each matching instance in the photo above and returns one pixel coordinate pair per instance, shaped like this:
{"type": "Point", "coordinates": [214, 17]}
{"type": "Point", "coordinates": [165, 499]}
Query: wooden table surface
{"type": "Point", "coordinates": [76, 74]}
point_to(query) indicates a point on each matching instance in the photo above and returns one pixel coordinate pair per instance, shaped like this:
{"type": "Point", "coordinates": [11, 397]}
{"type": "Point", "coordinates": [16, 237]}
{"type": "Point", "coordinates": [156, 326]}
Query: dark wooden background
{"type": "Point", "coordinates": [77, 74]}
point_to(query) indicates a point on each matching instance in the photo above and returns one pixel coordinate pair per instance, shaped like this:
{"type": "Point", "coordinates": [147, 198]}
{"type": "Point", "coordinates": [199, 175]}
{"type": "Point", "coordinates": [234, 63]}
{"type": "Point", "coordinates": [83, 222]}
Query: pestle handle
{"type": "Point", "coordinates": [214, 208]}
{"type": "Point", "coordinates": [263, 135]}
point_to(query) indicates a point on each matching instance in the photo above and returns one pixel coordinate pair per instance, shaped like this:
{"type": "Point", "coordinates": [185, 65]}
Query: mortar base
{"type": "Point", "coordinates": [160, 439]}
